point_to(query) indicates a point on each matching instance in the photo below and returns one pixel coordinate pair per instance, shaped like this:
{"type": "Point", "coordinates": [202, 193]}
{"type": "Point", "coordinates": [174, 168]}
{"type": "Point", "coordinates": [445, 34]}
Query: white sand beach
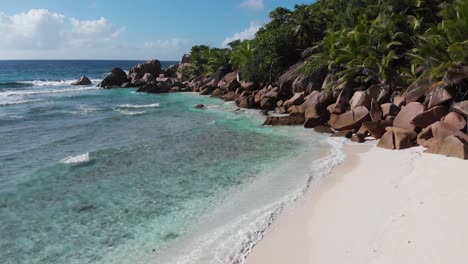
{"type": "Point", "coordinates": [379, 206]}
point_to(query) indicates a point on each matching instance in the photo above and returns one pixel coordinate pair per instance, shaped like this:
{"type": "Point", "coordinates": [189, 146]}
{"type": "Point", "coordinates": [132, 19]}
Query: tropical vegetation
{"type": "Point", "coordinates": [360, 42]}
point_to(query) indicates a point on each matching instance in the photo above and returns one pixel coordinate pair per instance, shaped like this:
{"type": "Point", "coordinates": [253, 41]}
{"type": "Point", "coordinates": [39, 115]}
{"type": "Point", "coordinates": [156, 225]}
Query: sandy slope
{"type": "Point", "coordinates": [379, 206]}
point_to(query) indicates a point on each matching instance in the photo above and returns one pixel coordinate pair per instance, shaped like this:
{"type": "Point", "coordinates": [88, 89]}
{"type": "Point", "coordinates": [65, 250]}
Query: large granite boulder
{"type": "Point", "coordinates": [451, 146]}
{"type": "Point", "coordinates": [397, 138]}
{"type": "Point", "coordinates": [455, 120]}
{"type": "Point", "coordinates": [352, 119]}
{"type": "Point", "coordinates": [375, 111]}
{"type": "Point", "coordinates": [437, 132]}
{"type": "Point", "coordinates": [297, 99]}
{"type": "Point", "coordinates": [314, 109]}
{"type": "Point", "coordinates": [461, 108]}
{"type": "Point", "coordinates": [430, 116]}
{"type": "Point", "coordinates": [438, 97]}
{"type": "Point", "coordinates": [147, 77]}
{"type": "Point", "coordinates": [229, 82]}
{"type": "Point", "coordinates": [360, 98]}
{"type": "Point", "coordinates": [456, 77]}
{"type": "Point", "coordinates": [82, 81]}
{"type": "Point", "coordinates": [115, 78]}
{"type": "Point", "coordinates": [245, 100]}
{"type": "Point", "coordinates": [160, 87]}
{"type": "Point", "coordinates": [417, 90]}
{"type": "Point", "coordinates": [342, 102]}
{"type": "Point", "coordinates": [407, 114]}
{"type": "Point", "coordinates": [151, 66]}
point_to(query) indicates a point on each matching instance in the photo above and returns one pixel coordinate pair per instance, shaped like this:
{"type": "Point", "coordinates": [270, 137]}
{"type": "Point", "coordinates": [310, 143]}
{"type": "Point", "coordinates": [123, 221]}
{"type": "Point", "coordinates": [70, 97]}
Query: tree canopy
{"type": "Point", "coordinates": [387, 42]}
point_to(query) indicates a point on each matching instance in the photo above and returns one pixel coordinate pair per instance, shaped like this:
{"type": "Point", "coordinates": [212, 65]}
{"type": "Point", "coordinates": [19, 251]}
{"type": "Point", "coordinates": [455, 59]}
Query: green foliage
{"type": "Point", "coordinates": [207, 60]}
{"type": "Point", "coordinates": [361, 42]}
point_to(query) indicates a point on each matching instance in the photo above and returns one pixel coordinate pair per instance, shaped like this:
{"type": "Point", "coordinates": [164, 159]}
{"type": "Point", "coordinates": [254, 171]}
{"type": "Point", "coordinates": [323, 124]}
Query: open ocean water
{"type": "Point", "coordinates": [113, 176]}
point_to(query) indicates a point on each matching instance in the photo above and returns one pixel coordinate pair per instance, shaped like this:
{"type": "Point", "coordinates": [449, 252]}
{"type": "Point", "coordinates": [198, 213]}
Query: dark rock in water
{"type": "Point", "coordinates": [290, 120]}
{"type": "Point", "coordinates": [151, 66]}
{"type": "Point", "coordinates": [155, 88]}
{"type": "Point", "coordinates": [323, 129]}
{"type": "Point", "coordinates": [264, 112]}
{"type": "Point", "coordinates": [84, 208]}
{"type": "Point", "coordinates": [343, 133]}
{"type": "Point", "coordinates": [358, 138]}
{"type": "Point", "coordinates": [115, 78]}
{"type": "Point", "coordinates": [82, 81]}
{"type": "Point", "coordinates": [127, 85]}
{"type": "Point", "coordinates": [200, 106]}
{"type": "Point", "coordinates": [148, 77]}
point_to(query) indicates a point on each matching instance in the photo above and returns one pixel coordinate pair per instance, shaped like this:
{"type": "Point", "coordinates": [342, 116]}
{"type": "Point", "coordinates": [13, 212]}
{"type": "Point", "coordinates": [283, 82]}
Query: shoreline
{"type": "Point", "coordinates": [378, 206]}
{"type": "Point", "coordinates": [233, 237]}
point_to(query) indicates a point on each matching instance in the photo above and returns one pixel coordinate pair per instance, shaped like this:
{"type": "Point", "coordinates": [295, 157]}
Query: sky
{"type": "Point", "coordinates": [136, 29]}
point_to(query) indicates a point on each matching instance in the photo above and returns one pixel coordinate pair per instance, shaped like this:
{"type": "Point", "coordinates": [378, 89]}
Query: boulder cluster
{"type": "Point", "coordinates": [429, 114]}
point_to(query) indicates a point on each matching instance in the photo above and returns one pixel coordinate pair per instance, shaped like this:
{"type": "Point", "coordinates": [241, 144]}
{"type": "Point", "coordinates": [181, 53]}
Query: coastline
{"type": "Point", "coordinates": [378, 206]}
{"type": "Point", "coordinates": [230, 233]}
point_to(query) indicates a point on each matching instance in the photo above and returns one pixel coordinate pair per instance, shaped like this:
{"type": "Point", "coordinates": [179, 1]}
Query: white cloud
{"type": "Point", "coordinates": [252, 4]}
{"type": "Point", "coordinates": [40, 29]}
{"type": "Point", "coordinates": [248, 33]}
{"type": "Point", "coordinates": [42, 34]}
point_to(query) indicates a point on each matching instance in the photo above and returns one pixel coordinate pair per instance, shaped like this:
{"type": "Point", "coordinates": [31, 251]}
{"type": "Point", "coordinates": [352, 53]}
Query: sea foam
{"type": "Point", "coordinates": [82, 158]}
{"type": "Point", "coordinates": [155, 105]}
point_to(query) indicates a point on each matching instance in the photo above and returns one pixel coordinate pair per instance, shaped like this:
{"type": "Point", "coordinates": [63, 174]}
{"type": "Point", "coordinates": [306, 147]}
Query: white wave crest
{"type": "Point", "coordinates": [128, 112]}
{"type": "Point", "coordinates": [82, 158]}
{"type": "Point", "coordinates": [31, 92]}
{"type": "Point", "coordinates": [155, 105]}
{"type": "Point", "coordinates": [54, 83]}
{"type": "Point", "coordinates": [3, 103]}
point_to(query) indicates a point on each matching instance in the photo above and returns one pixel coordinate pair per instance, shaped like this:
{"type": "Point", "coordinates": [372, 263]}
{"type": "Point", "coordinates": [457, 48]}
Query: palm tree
{"type": "Point", "coordinates": [241, 54]}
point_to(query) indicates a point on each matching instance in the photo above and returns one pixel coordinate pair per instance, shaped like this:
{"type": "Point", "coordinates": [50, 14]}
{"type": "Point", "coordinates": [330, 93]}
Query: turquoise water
{"type": "Point", "coordinates": [87, 174]}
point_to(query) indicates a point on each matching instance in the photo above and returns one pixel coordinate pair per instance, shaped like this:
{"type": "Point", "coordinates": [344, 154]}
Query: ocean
{"type": "Point", "coordinates": [113, 176]}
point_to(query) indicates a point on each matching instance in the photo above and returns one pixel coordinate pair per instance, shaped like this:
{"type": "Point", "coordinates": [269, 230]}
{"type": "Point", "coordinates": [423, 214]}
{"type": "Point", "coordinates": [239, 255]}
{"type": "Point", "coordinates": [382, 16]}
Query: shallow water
{"type": "Point", "coordinates": [114, 176]}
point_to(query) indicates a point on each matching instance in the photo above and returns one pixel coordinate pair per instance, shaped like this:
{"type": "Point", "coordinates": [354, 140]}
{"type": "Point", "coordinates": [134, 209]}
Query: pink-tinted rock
{"type": "Point", "coordinates": [430, 116]}
{"type": "Point", "coordinates": [297, 99]}
{"type": "Point", "coordinates": [374, 91]}
{"type": "Point", "coordinates": [438, 97]}
{"type": "Point", "coordinates": [417, 90]}
{"type": "Point", "coordinates": [360, 99]}
{"type": "Point", "coordinates": [407, 114]}
{"type": "Point", "coordinates": [403, 138]}
{"type": "Point", "coordinates": [451, 146]}
{"type": "Point", "coordinates": [389, 109]}
{"type": "Point", "coordinates": [383, 97]}
{"type": "Point", "coordinates": [342, 102]}
{"type": "Point", "coordinates": [461, 108]}
{"type": "Point", "coordinates": [375, 112]}
{"type": "Point", "coordinates": [387, 141]}
{"type": "Point", "coordinates": [316, 104]}
{"type": "Point", "coordinates": [455, 120]}
{"type": "Point", "coordinates": [439, 131]}
{"type": "Point", "coordinates": [352, 119]}
{"type": "Point", "coordinates": [399, 101]}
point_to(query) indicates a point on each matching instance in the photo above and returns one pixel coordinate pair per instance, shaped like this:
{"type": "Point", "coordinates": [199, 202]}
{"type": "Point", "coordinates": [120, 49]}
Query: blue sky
{"type": "Point", "coordinates": [136, 29]}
